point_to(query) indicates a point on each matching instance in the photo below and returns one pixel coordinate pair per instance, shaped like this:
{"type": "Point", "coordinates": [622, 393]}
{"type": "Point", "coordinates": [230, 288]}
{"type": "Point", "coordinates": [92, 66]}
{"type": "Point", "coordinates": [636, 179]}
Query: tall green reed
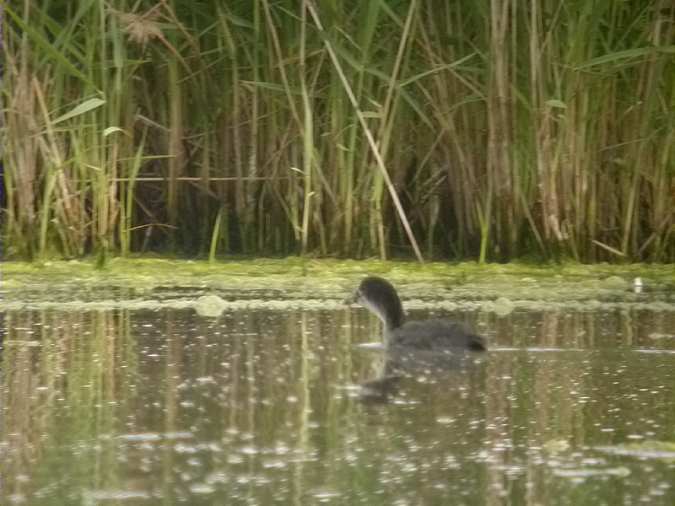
{"type": "Point", "coordinates": [488, 130]}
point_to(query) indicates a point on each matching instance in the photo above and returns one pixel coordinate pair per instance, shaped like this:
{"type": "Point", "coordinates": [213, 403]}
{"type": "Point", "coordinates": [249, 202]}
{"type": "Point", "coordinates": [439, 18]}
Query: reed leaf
{"type": "Point", "coordinates": [489, 130]}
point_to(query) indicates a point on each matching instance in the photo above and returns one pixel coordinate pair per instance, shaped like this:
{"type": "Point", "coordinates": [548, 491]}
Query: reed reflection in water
{"type": "Point", "coordinates": [260, 407]}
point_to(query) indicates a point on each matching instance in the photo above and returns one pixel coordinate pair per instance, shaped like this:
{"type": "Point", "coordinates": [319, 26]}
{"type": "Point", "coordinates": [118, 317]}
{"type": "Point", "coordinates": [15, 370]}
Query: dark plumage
{"type": "Point", "coordinates": [380, 297]}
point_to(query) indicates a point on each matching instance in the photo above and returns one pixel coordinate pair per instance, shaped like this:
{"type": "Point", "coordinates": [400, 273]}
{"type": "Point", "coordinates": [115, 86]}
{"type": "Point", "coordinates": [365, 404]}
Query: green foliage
{"type": "Point", "coordinates": [488, 130]}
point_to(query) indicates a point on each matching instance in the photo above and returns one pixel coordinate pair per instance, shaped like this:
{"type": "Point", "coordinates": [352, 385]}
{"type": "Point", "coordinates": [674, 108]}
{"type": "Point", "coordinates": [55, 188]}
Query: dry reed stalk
{"type": "Point", "coordinates": [369, 136]}
{"type": "Point", "coordinates": [499, 112]}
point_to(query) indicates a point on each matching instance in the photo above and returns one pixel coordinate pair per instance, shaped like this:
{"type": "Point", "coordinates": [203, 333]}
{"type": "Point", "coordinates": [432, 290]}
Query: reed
{"type": "Point", "coordinates": [492, 130]}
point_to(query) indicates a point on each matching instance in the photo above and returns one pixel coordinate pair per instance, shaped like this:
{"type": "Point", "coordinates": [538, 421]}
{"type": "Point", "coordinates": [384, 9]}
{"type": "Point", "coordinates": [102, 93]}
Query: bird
{"type": "Point", "coordinates": [379, 296]}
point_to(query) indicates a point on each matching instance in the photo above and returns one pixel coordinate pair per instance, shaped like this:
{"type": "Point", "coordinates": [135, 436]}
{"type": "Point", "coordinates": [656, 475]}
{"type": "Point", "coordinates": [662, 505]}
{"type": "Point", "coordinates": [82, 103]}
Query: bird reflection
{"type": "Point", "coordinates": [392, 366]}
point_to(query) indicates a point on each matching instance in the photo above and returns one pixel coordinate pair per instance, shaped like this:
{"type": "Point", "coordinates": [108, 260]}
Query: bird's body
{"type": "Point", "coordinates": [380, 297]}
{"type": "Point", "coordinates": [436, 333]}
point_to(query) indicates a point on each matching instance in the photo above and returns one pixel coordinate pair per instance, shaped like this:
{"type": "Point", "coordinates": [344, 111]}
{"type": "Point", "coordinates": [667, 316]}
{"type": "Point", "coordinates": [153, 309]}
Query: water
{"type": "Point", "coordinates": [263, 406]}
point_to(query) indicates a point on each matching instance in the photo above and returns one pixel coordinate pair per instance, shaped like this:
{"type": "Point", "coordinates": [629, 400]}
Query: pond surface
{"type": "Point", "coordinates": [264, 404]}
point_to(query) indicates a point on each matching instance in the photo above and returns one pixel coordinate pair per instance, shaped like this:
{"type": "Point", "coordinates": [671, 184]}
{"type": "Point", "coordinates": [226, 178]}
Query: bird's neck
{"type": "Point", "coordinates": [392, 317]}
{"type": "Point", "coordinates": [390, 312]}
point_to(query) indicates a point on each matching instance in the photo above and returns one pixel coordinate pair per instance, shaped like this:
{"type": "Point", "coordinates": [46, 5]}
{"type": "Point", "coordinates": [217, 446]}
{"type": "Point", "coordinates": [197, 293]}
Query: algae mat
{"type": "Point", "coordinates": [292, 282]}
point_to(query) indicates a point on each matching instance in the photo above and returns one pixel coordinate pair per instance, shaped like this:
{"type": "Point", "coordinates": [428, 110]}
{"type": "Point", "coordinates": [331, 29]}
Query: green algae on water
{"type": "Point", "coordinates": [494, 287]}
